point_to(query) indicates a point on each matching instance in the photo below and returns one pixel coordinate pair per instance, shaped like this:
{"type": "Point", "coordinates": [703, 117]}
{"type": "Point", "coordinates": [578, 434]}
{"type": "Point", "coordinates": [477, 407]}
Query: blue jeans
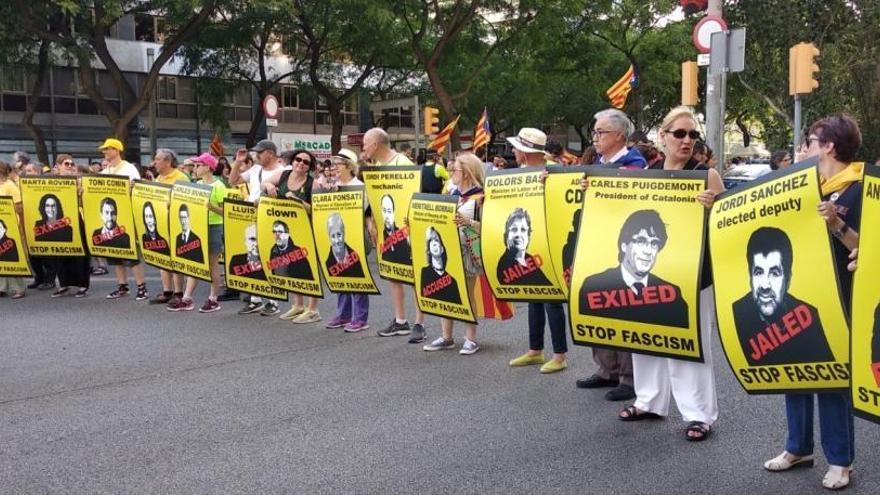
{"type": "Point", "coordinates": [835, 425]}
{"type": "Point", "coordinates": [354, 307]}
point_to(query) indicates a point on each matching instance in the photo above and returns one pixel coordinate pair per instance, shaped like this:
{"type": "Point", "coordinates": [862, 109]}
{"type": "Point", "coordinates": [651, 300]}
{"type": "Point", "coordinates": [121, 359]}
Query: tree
{"type": "Point", "coordinates": [436, 30]}
{"type": "Point", "coordinates": [81, 29]}
{"type": "Point", "coordinates": [234, 47]}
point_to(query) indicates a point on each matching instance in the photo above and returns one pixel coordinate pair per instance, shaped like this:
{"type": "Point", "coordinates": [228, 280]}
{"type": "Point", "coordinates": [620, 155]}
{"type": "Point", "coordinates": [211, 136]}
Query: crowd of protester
{"type": "Point", "coordinates": [649, 381]}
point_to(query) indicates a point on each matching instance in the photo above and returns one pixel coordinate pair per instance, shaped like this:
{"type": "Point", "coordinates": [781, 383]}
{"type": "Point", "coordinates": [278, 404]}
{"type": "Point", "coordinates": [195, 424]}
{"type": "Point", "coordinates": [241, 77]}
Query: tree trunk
{"type": "Point", "coordinates": [336, 122]}
{"type": "Point", "coordinates": [579, 129]}
{"type": "Point", "coordinates": [27, 120]}
{"type": "Point", "coordinates": [446, 103]}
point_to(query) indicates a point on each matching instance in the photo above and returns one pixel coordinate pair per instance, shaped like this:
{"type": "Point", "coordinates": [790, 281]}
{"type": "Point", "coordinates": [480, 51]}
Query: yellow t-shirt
{"type": "Point", "coordinates": [398, 159]}
{"type": "Point", "coordinates": [8, 188]}
{"type": "Point", "coordinates": [175, 176]}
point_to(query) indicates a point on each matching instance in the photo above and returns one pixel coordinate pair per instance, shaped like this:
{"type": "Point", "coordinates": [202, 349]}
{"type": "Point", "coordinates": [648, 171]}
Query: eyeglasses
{"type": "Point", "coordinates": [600, 132]}
{"type": "Point", "coordinates": [252, 239]}
{"type": "Point", "coordinates": [813, 138]}
{"type": "Point", "coordinates": [279, 232]}
{"type": "Point", "coordinates": [681, 133]}
{"type": "Point", "coordinates": [297, 159]}
{"type": "Point", "coordinates": [644, 242]}
{"type": "Point", "coordinates": [68, 163]}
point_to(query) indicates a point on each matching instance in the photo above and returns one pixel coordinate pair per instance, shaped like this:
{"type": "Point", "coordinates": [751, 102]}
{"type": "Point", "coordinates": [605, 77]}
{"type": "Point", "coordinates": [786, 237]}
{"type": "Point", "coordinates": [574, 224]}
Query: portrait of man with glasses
{"type": "Point", "coordinates": [629, 291]}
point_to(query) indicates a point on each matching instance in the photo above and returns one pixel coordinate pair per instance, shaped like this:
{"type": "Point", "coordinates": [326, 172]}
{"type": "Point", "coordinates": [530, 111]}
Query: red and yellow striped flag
{"type": "Point", "coordinates": [482, 133]}
{"type": "Point", "coordinates": [618, 92]}
{"type": "Point", "coordinates": [439, 142]}
{"type": "Point", "coordinates": [217, 148]}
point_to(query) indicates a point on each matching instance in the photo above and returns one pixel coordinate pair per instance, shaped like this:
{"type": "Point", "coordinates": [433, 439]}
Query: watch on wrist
{"type": "Point", "coordinates": [839, 233]}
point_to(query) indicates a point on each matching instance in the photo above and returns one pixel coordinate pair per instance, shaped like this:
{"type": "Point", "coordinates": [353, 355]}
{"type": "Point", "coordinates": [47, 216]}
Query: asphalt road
{"type": "Point", "coordinates": [102, 396]}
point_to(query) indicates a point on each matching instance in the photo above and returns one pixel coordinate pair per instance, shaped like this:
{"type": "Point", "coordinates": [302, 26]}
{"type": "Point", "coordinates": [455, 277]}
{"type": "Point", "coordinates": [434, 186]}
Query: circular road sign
{"type": "Point", "coordinates": [270, 106]}
{"type": "Point", "coordinates": [704, 29]}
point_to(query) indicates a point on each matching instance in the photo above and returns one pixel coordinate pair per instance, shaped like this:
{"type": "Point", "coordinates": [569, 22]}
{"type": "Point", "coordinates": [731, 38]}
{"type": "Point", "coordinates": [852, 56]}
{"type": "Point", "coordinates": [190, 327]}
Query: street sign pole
{"type": "Point", "coordinates": [797, 124]}
{"type": "Point", "coordinates": [714, 117]}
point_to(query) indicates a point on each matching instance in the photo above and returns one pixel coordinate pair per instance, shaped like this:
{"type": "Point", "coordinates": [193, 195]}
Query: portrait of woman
{"type": "Point", "coordinates": [436, 283]}
{"type": "Point", "coordinates": [517, 266]}
{"type": "Point", "coordinates": [8, 247]}
{"type": "Point", "coordinates": [151, 240]}
{"type": "Point", "coordinates": [53, 225]}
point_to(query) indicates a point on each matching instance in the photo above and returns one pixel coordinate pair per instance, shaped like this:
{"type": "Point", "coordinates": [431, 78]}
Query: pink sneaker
{"type": "Point", "coordinates": [356, 326]}
{"type": "Point", "coordinates": [338, 323]}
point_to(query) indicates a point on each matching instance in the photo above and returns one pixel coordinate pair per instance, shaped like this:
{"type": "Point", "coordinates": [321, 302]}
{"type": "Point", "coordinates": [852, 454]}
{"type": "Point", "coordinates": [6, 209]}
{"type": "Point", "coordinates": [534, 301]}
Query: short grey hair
{"type": "Point", "coordinates": [169, 154]}
{"type": "Point", "coordinates": [21, 157]}
{"type": "Point", "coordinates": [380, 136]}
{"type": "Point", "coordinates": [335, 221]}
{"type": "Point", "coordinates": [619, 120]}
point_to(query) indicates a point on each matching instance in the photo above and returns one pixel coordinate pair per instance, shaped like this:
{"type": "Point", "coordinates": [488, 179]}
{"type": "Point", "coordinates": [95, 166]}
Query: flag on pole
{"type": "Point", "coordinates": [439, 142]}
{"type": "Point", "coordinates": [482, 133]}
{"type": "Point", "coordinates": [217, 146]}
{"type": "Point", "coordinates": [618, 92]}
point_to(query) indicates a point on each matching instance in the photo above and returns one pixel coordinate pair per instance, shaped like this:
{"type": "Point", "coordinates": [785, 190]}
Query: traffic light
{"type": "Point", "coordinates": [689, 84]}
{"type": "Point", "coordinates": [693, 6]}
{"type": "Point", "coordinates": [432, 120]}
{"type": "Point", "coordinates": [802, 69]}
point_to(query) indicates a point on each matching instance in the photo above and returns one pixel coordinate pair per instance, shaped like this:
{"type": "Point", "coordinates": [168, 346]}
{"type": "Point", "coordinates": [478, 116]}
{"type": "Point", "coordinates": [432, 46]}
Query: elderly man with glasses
{"type": "Point", "coordinates": [610, 135]}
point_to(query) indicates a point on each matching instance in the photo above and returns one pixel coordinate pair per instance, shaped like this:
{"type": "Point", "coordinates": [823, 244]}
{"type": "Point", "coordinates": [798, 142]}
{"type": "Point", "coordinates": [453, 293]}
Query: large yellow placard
{"type": "Point", "coordinates": [244, 267]}
{"type": "Point", "coordinates": [865, 337]}
{"type": "Point", "coordinates": [780, 314]}
{"type": "Point", "coordinates": [389, 190]}
{"type": "Point", "coordinates": [149, 204]}
{"type": "Point", "coordinates": [51, 216]}
{"type": "Point", "coordinates": [635, 281]}
{"type": "Point", "coordinates": [284, 232]}
{"type": "Point", "coordinates": [107, 216]}
{"type": "Point", "coordinates": [338, 224]}
{"type": "Point", "coordinates": [513, 237]}
{"type": "Point", "coordinates": [563, 198]}
{"type": "Point", "coordinates": [437, 258]}
{"type": "Point", "coordinates": [13, 256]}
{"type": "Point", "coordinates": [188, 217]}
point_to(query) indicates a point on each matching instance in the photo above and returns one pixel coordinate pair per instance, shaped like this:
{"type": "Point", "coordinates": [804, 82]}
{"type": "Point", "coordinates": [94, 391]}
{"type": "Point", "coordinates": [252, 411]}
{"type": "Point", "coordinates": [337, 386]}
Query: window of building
{"type": "Point", "coordinates": [13, 79]}
{"type": "Point", "coordinates": [289, 97]}
{"type": "Point", "coordinates": [167, 87]}
{"type": "Point", "coordinates": [145, 28]}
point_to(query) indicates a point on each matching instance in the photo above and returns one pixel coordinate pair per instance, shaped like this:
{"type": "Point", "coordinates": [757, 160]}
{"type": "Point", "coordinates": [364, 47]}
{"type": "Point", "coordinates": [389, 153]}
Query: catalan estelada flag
{"type": "Point", "coordinates": [439, 142]}
{"type": "Point", "coordinates": [482, 133]}
{"type": "Point", "coordinates": [217, 148]}
{"type": "Point", "coordinates": [618, 92]}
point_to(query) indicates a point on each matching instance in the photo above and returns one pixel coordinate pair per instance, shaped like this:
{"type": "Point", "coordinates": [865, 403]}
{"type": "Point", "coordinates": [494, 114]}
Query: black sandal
{"type": "Point", "coordinates": [633, 414]}
{"type": "Point", "coordinates": [703, 429]}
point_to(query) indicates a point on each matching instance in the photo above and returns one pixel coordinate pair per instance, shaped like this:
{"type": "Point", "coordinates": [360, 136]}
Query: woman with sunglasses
{"type": "Point", "coordinates": [656, 378]}
{"type": "Point", "coordinates": [74, 272]}
{"type": "Point", "coordinates": [297, 183]}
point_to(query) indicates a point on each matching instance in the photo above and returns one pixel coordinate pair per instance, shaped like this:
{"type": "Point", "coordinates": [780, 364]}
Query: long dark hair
{"type": "Point", "coordinates": [57, 203]}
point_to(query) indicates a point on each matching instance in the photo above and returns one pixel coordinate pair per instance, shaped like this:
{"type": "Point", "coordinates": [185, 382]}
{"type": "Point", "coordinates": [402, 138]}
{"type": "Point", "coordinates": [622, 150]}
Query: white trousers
{"type": "Point", "coordinates": [692, 383]}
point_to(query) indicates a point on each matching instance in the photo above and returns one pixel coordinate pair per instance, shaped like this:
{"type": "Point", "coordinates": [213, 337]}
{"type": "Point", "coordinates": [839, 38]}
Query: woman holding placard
{"type": "Point", "coordinates": [835, 140]}
{"type": "Point", "coordinates": [657, 379]}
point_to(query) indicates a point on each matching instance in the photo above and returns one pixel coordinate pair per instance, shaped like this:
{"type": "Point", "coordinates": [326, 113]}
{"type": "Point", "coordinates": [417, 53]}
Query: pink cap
{"type": "Point", "coordinates": [206, 159]}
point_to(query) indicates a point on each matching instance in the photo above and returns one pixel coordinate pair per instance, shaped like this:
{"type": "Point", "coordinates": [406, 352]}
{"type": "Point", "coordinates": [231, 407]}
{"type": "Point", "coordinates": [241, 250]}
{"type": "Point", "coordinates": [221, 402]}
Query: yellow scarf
{"type": "Point", "coordinates": [840, 180]}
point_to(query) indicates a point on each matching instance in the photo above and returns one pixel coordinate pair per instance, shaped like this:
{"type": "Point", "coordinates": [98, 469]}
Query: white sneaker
{"type": "Point", "coordinates": [469, 347]}
{"type": "Point", "coordinates": [292, 313]}
{"type": "Point", "coordinates": [439, 344]}
{"type": "Point", "coordinates": [308, 317]}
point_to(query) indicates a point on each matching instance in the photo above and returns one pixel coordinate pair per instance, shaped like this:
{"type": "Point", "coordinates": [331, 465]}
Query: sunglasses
{"type": "Point", "coordinates": [302, 160]}
{"type": "Point", "coordinates": [68, 164]}
{"type": "Point", "coordinates": [681, 133]}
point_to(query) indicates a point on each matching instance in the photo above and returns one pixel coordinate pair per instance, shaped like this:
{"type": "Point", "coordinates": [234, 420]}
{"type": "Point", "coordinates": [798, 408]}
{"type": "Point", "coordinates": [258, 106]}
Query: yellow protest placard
{"type": "Point", "coordinates": [150, 203]}
{"type": "Point", "coordinates": [437, 258]}
{"type": "Point", "coordinates": [51, 216]}
{"type": "Point", "coordinates": [389, 190]}
{"type": "Point", "coordinates": [513, 237]}
{"type": "Point", "coordinates": [636, 276]}
{"type": "Point", "coordinates": [244, 267]}
{"type": "Point", "coordinates": [107, 216]}
{"type": "Point", "coordinates": [563, 198]}
{"type": "Point", "coordinates": [779, 309]}
{"type": "Point", "coordinates": [338, 226]}
{"type": "Point", "coordinates": [284, 233]}
{"type": "Point", "coordinates": [865, 347]}
{"type": "Point", "coordinates": [13, 256]}
{"type": "Point", "coordinates": [188, 217]}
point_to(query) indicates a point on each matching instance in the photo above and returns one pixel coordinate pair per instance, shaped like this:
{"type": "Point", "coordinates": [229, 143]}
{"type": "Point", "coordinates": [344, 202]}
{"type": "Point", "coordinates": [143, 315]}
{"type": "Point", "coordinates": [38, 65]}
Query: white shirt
{"type": "Point", "coordinates": [255, 176]}
{"type": "Point", "coordinates": [355, 182]}
{"type": "Point", "coordinates": [629, 279]}
{"type": "Point", "coordinates": [124, 168]}
{"type": "Point", "coordinates": [617, 156]}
